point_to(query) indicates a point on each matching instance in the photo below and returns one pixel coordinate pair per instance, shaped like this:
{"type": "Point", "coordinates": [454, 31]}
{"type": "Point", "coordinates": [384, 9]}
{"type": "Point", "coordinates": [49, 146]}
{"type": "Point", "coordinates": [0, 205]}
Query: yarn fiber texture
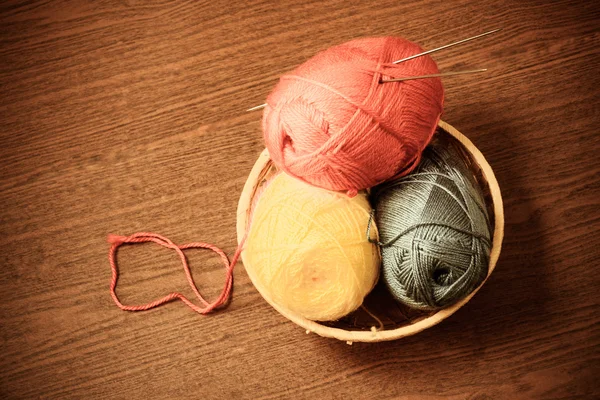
{"type": "Point", "coordinates": [333, 124]}
{"type": "Point", "coordinates": [434, 230]}
{"type": "Point", "coordinates": [307, 248]}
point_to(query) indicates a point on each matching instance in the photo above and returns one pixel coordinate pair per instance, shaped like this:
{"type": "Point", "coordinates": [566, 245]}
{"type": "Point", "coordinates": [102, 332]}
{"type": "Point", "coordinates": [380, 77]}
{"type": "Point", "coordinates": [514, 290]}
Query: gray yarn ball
{"type": "Point", "coordinates": [434, 230]}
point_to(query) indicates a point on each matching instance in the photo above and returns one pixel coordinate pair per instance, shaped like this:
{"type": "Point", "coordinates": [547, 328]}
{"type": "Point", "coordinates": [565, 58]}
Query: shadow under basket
{"type": "Point", "coordinates": [380, 317]}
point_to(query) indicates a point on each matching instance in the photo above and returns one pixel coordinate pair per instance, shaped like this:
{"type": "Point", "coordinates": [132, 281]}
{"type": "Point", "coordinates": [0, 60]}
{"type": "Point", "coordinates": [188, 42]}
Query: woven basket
{"type": "Point", "coordinates": [381, 317]}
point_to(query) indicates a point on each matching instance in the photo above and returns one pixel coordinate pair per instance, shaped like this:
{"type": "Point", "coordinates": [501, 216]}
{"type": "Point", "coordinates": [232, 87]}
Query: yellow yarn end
{"type": "Point", "coordinates": [307, 249]}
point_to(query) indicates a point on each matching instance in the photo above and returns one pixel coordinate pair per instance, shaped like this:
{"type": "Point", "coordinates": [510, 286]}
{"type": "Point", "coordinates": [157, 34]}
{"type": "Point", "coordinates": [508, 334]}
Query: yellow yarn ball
{"type": "Point", "coordinates": [307, 249]}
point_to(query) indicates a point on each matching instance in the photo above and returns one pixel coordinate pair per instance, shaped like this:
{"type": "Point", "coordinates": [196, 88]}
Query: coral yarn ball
{"type": "Point", "coordinates": [332, 123]}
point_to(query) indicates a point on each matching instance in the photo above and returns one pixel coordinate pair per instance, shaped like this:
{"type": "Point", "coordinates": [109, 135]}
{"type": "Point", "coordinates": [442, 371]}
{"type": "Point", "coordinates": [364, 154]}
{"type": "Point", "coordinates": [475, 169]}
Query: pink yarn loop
{"type": "Point", "coordinates": [142, 237]}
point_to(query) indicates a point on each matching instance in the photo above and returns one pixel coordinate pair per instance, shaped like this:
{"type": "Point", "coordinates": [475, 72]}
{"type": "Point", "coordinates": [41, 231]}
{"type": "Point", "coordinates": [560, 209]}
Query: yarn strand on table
{"type": "Point", "coordinates": [142, 237]}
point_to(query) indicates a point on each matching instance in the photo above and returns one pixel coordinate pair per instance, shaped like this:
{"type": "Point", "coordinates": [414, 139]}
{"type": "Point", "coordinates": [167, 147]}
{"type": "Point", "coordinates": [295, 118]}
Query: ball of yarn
{"type": "Point", "coordinates": [333, 124]}
{"type": "Point", "coordinates": [307, 249]}
{"type": "Point", "coordinates": [434, 231]}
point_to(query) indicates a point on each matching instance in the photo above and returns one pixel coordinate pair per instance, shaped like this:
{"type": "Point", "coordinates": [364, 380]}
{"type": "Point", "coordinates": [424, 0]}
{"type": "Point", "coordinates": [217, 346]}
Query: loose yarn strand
{"type": "Point", "coordinates": [144, 237]}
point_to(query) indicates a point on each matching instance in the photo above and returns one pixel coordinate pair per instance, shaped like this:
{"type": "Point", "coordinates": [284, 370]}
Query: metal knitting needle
{"type": "Point", "coordinates": [257, 107]}
{"type": "Point", "coordinates": [410, 78]}
{"type": "Point", "coordinates": [446, 46]}
{"type": "Point", "coordinates": [419, 55]}
{"type": "Point", "coordinates": [407, 78]}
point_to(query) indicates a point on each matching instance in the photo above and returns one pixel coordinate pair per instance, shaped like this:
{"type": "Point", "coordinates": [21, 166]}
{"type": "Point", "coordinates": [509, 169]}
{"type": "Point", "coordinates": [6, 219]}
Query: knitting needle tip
{"type": "Point", "coordinates": [410, 78]}
{"type": "Point", "coordinates": [257, 107]}
{"type": "Point", "coordinates": [446, 46]}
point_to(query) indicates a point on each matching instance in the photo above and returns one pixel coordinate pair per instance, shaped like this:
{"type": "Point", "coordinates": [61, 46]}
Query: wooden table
{"type": "Point", "coordinates": [125, 116]}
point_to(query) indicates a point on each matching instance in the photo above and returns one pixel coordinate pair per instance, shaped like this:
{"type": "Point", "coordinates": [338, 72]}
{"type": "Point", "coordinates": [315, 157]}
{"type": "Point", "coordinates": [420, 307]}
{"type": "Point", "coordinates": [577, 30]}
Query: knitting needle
{"type": "Point", "coordinates": [419, 55]}
{"type": "Point", "coordinates": [446, 46]}
{"type": "Point", "coordinates": [409, 78]}
{"type": "Point", "coordinates": [257, 107]}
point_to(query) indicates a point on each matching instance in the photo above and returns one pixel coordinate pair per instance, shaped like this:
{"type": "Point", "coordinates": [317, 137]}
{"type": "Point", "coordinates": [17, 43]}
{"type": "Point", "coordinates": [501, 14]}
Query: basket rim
{"type": "Point", "coordinates": [245, 202]}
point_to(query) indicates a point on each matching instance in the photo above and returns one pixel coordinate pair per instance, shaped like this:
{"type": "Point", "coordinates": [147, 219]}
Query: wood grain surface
{"type": "Point", "coordinates": [121, 116]}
